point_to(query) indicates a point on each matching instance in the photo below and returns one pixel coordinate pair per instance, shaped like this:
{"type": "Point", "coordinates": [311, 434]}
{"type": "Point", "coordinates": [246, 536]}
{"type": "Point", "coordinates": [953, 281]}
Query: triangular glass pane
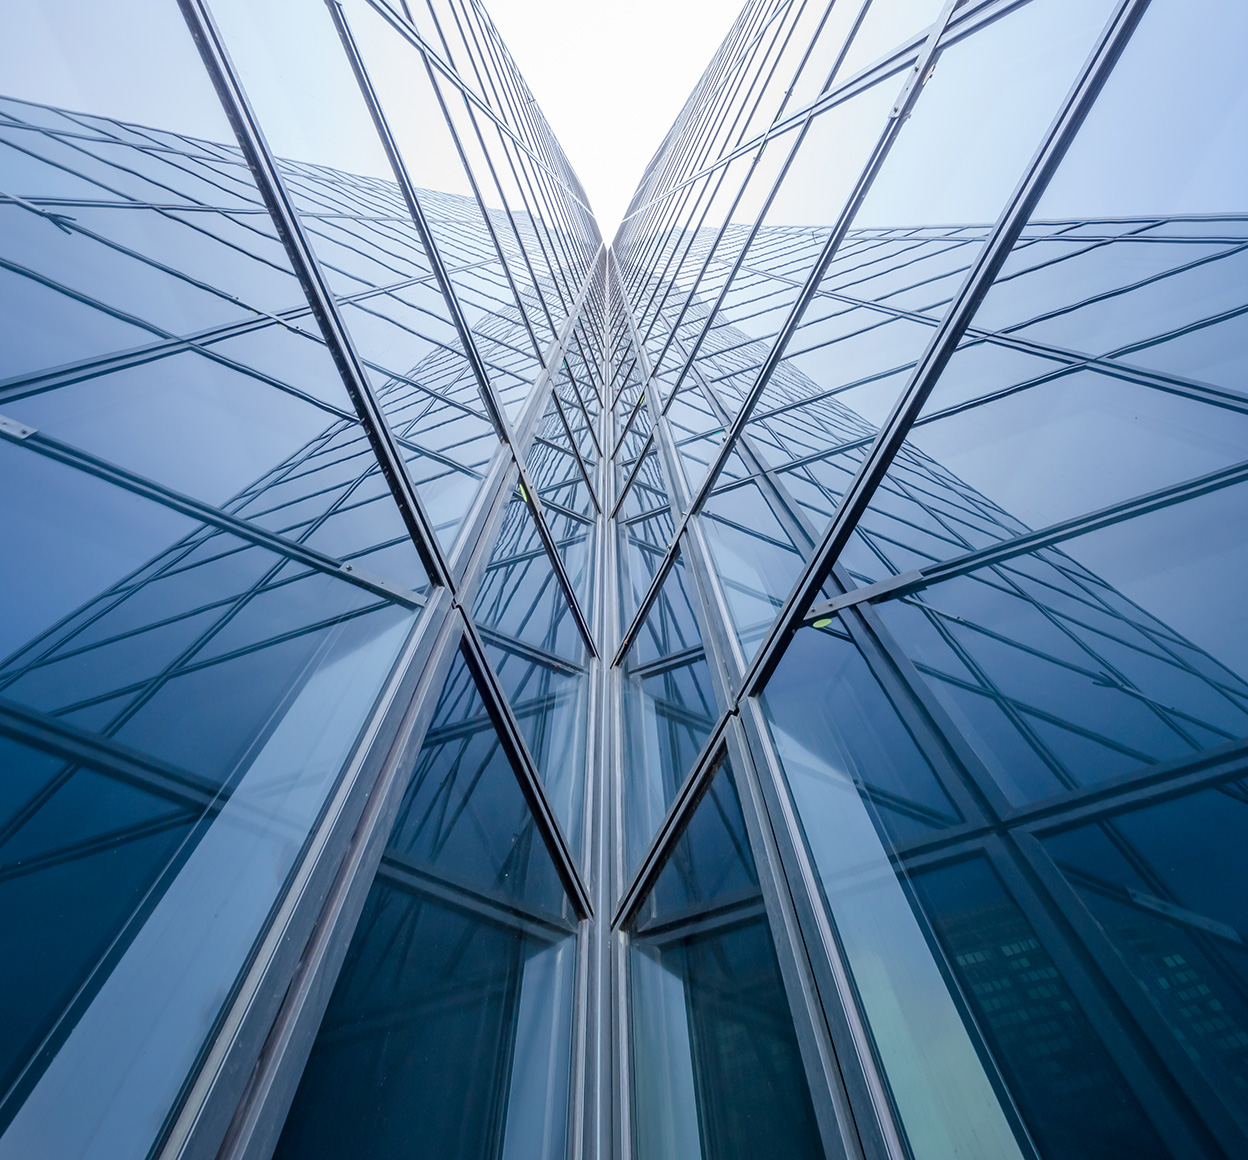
{"type": "Point", "coordinates": [464, 818]}
{"type": "Point", "coordinates": [668, 707]}
{"type": "Point", "coordinates": [717, 1070]}
{"type": "Point", "coordinates": [520, 595]}
{"type": "Point", "coordinates": [536, 650]}
{"type": "Point", "coordinates": [451, 1021]}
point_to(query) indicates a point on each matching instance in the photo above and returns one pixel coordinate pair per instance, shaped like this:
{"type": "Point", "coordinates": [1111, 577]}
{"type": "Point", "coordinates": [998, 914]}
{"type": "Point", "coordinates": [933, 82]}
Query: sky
{"type": "Point", "coordinates": [611, 75]}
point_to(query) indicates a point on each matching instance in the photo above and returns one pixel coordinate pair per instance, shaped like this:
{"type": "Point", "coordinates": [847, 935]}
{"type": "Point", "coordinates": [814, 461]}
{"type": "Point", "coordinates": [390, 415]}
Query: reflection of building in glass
{"type": "Point", "coordinates": [775, 684]}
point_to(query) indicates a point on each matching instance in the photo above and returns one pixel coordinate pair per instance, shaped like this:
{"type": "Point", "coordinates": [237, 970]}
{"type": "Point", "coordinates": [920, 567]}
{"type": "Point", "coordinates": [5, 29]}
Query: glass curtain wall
{"type": "Point", "coordinates": [300, 394]}
{"type": "Point", "coordinates": [943, 446]}
{"type": "Point", "coordinates": [777, 684]}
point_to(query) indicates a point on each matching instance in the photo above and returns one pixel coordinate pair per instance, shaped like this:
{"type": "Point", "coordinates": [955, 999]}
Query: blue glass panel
{"type": "Point", "coordinates": [1165, 887]}
{"type": "Point", "coordinates": [368, 246]}
{"type": "Point", "coordinates": [551, 704]}
{"type": "Point", "coordinates": [1085, 661]}
{"type": "Point", "coordinates": [668, 707]}
{"type": "Point", "coordinates": [860, 783]}
{"type": "Point", "coordinates": [451, 1022]}
{"type": "Point", "coordinates": [520, 594]}
{"type": "Point", "coordinates": [716, 1066]}
{"type": "Point", "coordinates": [212, 692]}
{"type": "Point", "coordinates": [1131, 259]}
{"type": "Point", "coordinates": [754, 555]}
{"type": "Point", "coordinates": [1069, 1091]}
{"type": "Point", "coordinates": [917, 233]}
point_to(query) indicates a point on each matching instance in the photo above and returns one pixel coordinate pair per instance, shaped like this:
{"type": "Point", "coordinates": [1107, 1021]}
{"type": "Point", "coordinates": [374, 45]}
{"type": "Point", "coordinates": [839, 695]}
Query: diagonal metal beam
{"type": "Point", "coordinates": [205, 513]}
{"type": "Point", "coordinates": [512, 741]}
{"type": "Point", "coordinates": [942, 345]}
{"type": "Point", "coordinates": [920, 578]}
{"type": "Point", "coordinates": [673, 827]}
{"type": "Point", "coordinates": [307, 269]}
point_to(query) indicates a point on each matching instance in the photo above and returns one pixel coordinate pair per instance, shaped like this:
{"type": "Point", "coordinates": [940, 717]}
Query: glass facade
{"type": "Point", "coordinates": [772, 684]}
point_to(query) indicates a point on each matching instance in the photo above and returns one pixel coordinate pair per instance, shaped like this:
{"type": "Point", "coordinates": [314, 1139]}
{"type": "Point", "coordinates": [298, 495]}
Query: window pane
{"type": "Point", "coordinates": [451, 1022]}
{"type": "Point", "coordinates": [716, 1066]}
{"type": "Point", "coordinates": [860, 783]}
{"type": "Point", "coordinates": [219, 689]}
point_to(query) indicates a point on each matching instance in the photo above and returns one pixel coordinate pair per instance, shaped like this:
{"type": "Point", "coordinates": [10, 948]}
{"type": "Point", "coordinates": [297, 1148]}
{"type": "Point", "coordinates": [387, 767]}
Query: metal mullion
{"type": "Point", "coordinates": [423, 882]}
{"type": "Point", "coordinates": [489, 161]}
{"type": "Point", "coordinates": [714, 309]}
{"type": "Point", "coordinates": [723, 655]}
{"type": "Point", "coordinates": [147, 260]}
{"type": "Point", "coordinates": [534, 503]}
{"type": "Point", "coordinates": [529, 652]}
{"type": "Point", "coordinates": [646, 448]}
{"type": "Point", "coordinates": [830, 1087]}
{"type": "Point", "coordinates": [205, 514]}
{"type": "Point", "coordinates": [80, 747]}
{"type": "Point", "coordinates": [674, 325]}
{"type": "Point", "coordinates": [671, 235]}
{"type": "Point", "coordinates": [842, 1131]}
{"type": "Point", "coordinates": [688, 797]}
{"type": "Point", "coordinates": [1172, 718]}
{"type": "Point", "coordinates": [489, 395]}
{"type": "Point", "coordinates": [264, 168]}
{"type": "Point", "coordinates": [98, 366]}
{"type": "Point", "coordinates": [524, 250]}
{"type": "Point", "coordinates": [764, 75]}
{"type": "Point", "coordinates": [580, 398]}
{"type": "Point", "coordinates": [782, 505]}
{"type": "Point", "coordinates": [893, 432]}
{"type": "Point", "coordinates": [237, 1112]}
{"type": "Point", "coordinates": [908, 583]}
{"type": "Point", "coordinates": [869, 1116]}
{"type": "Point", "coordinates": [634, 411]}
{"type": "Point", "coordinates": [485, 76]}
{"type": "Point", "coordinates": [542, 227]}
{"type": "Point", "coordinates": [576, 451]}
{"type": "Point", "coordinates": [124, 198]}
{"type": "Point", "coordinates": [595, 1116]}
{"type": "Point", "coordinates": [513, 744]}
{"type": "Point", "coordinates": [448, 71]}
{"type": "Point", "coordinates": [859, 82]}
{"type": "Point", "coordinates": [668, 663]}
{"type": "Point", "coordinates": [470, 558]}
{"type": "Point", "coordinates": [676, 495]}
{"type": "Point", "coordinates": [201, 341]}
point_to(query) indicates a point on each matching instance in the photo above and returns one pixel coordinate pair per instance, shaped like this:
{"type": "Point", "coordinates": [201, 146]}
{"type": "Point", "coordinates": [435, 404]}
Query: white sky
{"type": "Point", "coordinates": [611, 75]}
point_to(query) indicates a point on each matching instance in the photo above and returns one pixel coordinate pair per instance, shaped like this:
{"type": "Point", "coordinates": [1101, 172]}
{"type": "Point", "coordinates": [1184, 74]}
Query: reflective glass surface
{"type": "Point", "coordinates": [215, 580]}
{"type": "Point", "coordinates": [377, 264]}
{"type": "Point", "coordinates": [450, 1027]}
{"type": "Point", "coordinates": [844, 749]}
{"type": "Point", "coordinates": [668, 709]}
{"type": "Point", "coordinates": [716, 1066]}
{"type": "Point", "coordinates": [189, 699]}
{"type": "Point", "coordinates": [540, 659]}
{"type": "Point", "coordinates": [381, 552]}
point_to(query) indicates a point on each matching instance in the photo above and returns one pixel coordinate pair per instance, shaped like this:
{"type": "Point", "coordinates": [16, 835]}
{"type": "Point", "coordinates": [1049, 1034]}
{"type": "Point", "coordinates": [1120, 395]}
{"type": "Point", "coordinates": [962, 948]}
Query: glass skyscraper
{"type": "Point", "coordinates": [773, 684]}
